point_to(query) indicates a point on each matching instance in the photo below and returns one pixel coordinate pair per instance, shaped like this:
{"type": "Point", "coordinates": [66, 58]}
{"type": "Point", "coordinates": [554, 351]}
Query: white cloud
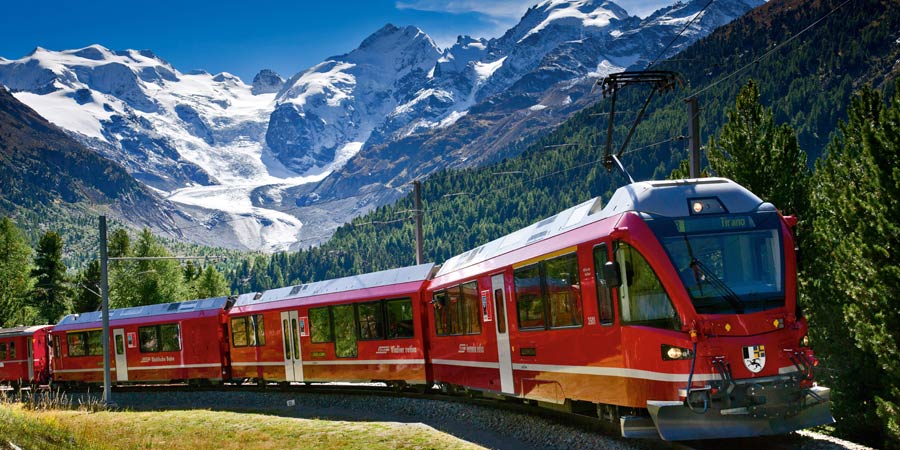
{"type": "Point", "coordinates": [501, 9]}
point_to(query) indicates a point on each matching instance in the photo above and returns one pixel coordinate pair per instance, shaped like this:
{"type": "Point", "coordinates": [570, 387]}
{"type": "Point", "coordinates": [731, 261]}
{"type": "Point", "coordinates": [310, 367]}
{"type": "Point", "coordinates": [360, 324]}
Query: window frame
{"type": "Point", "coordinates": [158, 329]}
{"type": "Point", "coordinates": [314, 325]}
{"type": "Point", "coordinates": [389, 322]}
{"type": "Point", "coordinates": [86, 347]}
{"type": "Point", "coordinates": [378, 321]}
{"type": "Point", "coordinates": [601, 287]}
{"type": "Point", "coordinates": [460, 321]}
{"type": "Point", "coordinates": [253, 337]}
{"type": "Point", "coordinates": [670, 323]}
{"type": "Point", "coordinates": [544, 294]}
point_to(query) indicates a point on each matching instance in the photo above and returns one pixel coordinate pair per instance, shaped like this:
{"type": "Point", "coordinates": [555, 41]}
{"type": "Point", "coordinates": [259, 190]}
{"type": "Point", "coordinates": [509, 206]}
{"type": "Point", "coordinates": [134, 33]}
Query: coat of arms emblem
{"type": "Point", "coordinates": [755, 358]}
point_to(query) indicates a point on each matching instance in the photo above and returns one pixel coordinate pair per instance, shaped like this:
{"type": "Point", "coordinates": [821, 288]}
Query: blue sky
{"type": "Point", "coordinates": [244, 37]}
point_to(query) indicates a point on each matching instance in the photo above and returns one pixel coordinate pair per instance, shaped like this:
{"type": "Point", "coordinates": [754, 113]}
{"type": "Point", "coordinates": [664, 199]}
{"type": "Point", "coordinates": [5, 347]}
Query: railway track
{"type": "Point", "coordinates": [289, 397]}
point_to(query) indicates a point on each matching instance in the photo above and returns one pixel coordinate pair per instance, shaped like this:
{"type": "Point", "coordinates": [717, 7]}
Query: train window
{"type": "Point", "coordinates": [472, 312]}
{"type": "Point", "coordinates": [239, 331]}
{"type": "Point", "coordinates": [642, 299]}
{"type": "Point", "coordinates": [77, 345]}
{"type": "Point", "coordinates": [85, 343]}
{"type": "Point", "coordinates": [160, 338]}
{"type": "Point", "coordinates": [248, 331]}
{"type": "Point", "coordinates": [287, 338]}
{"type": "Point", "coordinates": [604, 297]}
{"type": "Point", "coordinates": [562, 287]}
{"type": "Point", "coordinates": [370, 317]}
{"type": "Point", "coordinates": [295, 339]}
{"type": "Point", "coordinates": [529, 301]}
{"type": "Point", "coordinates": [456, 309]}
{"type": "Point", "coordinates": [344, 331]}
{"type": "Point", "coordinates": [399, 318]}
{"type": "Point", "coordinates": [441, 313]}
{"type": "Point", "coordinates": [550, 289]}
{"type": "Point", "coordinates": [258, 327]}
{"type": "Point", "coordinates": [501, 310]}
{"type": "Point", "coordinates": [2, 350]}
{"type": "Point", "coordinates": [12, 350]}
{"type": "Point", "coordinates": [320, 322]}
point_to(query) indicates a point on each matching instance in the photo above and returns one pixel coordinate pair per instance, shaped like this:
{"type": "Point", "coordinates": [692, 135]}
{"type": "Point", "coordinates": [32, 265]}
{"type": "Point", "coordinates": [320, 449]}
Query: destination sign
{"type": "Point", "coordinates": [720, 223]}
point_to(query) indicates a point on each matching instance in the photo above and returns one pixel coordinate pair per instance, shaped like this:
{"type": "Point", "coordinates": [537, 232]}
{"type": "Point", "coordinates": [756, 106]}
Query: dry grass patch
{"type": "Point", "coordinates": [200, 429]}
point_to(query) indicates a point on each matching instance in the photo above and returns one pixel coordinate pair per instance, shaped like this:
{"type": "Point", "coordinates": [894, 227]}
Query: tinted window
{"type": "Point", "coordinates": [472, 308]}
{"type": "Point", "coordinates": [371, 320]}
{"type": "Point", "coordinates": [399, 318]}
{"type": "Point", "coordinates": [548, 294]}
{"type": "Point", "coordinates": [160, 338]}
{"type": "Point", "coordinates": [441, 313]}
{"type": "Point", "coordinates": [320, 321]}
{"type": "Point", "coordinates": [642, 298]}
{"type": "Point", "coordinates": [563, 290]}
{"type": "Point", "coordinates": [604, 297]}
{"type": "Point", "coordinates": [344, 331]}
{"type": "Point", "coordinates": [3, 350]}
{"type": "Point", "coordinates": [529, 300]}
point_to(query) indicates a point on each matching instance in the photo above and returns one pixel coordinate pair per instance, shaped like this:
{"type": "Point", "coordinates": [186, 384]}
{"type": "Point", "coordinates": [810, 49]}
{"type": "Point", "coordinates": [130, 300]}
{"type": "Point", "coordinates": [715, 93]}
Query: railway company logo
{"type": "Point", "coordinates": [755, 358]}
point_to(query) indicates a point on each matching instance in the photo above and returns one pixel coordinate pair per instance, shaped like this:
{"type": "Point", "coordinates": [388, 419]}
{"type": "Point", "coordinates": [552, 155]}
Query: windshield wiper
{"type": "Point", "coordinates": [729, 295]}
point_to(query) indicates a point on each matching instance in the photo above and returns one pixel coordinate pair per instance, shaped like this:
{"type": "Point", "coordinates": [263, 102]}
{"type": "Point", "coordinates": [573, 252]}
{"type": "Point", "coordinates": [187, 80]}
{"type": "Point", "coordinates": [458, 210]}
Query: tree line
{"type": "Point", "coordinates": [37, 288]}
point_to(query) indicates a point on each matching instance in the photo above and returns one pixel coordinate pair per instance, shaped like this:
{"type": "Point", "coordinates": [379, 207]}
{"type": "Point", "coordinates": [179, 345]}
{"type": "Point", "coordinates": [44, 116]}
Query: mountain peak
{"type": "Point", "coordinates": [267, 82]}
{"type": "Point", "coordinates": [391, 37]}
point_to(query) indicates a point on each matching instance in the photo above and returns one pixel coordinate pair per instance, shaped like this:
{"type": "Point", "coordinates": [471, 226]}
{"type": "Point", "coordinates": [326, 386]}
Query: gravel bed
{"type": "Point", "coordinates": [486, 426]}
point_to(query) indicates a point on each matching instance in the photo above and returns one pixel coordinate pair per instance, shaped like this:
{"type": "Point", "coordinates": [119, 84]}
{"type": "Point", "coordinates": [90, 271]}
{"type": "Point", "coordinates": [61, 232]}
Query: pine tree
{"type": "Point", "coordinates": [87, 297]}
{"type": "Point", "coordinates": [147, 282]}
{"type": "Point", "coordinates": [855, 270]}
{"type": "Point", "coordinates": [761, 156]}
{"type": "Point", "coordinates": [52, 292]}
{"type": "Point", "coordinates": [15, 275]}
{"type": "Point", "coordinates": [210, 283]}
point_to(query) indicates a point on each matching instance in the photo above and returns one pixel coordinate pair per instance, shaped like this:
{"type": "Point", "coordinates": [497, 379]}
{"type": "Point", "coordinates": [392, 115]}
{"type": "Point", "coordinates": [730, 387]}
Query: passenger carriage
{"type": "Point", "coordinates": [156, 343]}
{"type": "Point", "coordinates": [360, 328]}
{"type": "Point", "coordinates": [25, 355]}
{"type": "Point", "coordinates": [674, 290]}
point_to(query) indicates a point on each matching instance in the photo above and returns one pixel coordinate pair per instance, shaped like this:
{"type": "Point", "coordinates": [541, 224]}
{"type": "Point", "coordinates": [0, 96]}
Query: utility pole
{"type": "Point", "coordinates": [104, 291]}
{"type": "Point", "coordinates": [420, 251]}
{"type": "Point", "coordinates": [104, 294]}
{"type": "Point", "coordinates": [694, 135]}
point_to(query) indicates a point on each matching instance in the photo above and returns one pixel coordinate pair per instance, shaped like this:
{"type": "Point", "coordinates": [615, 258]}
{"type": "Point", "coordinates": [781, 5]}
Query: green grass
{"type": "Point", "coordinates": [203, 429]}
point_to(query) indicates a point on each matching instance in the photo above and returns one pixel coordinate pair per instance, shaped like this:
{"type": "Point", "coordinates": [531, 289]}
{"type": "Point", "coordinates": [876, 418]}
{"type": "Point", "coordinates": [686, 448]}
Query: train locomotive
{"type": "Point", "coordinates": [670, 312]}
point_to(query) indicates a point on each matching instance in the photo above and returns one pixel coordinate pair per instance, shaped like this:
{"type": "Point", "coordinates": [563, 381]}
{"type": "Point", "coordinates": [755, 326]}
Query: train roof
{"type": "Point", "coordinates": [161, 309]}
{"type": "Point", "coordinates": [390, 277]}
{"type": "Point", "coordinates": [22, 331]}
{"type": "Point", "coordinates": [654, 198]}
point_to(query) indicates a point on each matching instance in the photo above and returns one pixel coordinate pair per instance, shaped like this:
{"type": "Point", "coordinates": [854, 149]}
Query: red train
{"type": "Point", "coordinates": [24, 355]}
{"type": "Point", "coordinates": [671, 311]}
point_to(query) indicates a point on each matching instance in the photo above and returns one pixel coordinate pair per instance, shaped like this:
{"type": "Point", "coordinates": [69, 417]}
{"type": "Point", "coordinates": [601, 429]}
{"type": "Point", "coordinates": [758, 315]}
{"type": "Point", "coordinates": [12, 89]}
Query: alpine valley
{"type": "Point", "coordinates": [279, 164]}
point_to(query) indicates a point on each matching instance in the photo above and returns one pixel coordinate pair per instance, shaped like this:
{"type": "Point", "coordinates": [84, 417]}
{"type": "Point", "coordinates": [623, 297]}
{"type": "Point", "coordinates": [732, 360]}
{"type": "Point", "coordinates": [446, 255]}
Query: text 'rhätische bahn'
{"type": "Point", "coordinates": [672, 309]}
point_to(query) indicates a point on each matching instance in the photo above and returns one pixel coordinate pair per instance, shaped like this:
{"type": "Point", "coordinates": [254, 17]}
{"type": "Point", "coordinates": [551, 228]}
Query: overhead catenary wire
{"type": "Point", "coordinates": [765, 55]}
{"type": "Point", "coordinates": [664, 50]}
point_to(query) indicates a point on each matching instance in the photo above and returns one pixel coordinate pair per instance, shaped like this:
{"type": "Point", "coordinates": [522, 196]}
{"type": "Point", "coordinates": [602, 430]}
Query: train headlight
{"type": "Point", "coordinates": [672, 353]}
{"type": "Point", "coordinates": [804, 341]}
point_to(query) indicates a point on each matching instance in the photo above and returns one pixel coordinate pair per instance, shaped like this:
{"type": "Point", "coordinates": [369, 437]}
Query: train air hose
{"type": "Point", "coordinates": [690, 379]}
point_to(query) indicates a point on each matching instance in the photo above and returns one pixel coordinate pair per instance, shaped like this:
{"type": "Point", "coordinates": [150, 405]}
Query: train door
{"type": "Point", "coordinates": [30, 354]}
{"type": "Point", "coordinates": [293, 357]}
{"type": "Point", "coordinates": [121, 357]}
{"type": "Point", "coordinates": [504, 355]}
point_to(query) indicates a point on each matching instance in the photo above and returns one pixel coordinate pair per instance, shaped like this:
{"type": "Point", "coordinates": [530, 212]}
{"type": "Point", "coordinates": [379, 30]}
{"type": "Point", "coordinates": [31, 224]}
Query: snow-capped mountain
{"type": "Point", "coordinates": [333, 138]}
{"type": "Point", "coordinates": [512, 88]}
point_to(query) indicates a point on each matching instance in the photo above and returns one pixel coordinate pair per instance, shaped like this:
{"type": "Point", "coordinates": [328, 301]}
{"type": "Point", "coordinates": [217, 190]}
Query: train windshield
{"type": "Point", "coordinates": [729, 264]}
